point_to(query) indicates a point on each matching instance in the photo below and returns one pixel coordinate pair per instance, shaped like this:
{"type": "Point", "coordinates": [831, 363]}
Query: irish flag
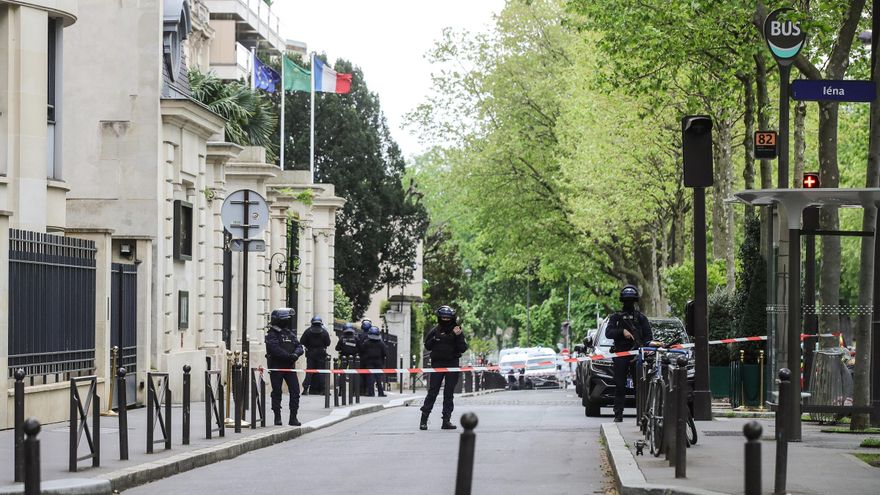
{"type": "Point", "coordinates": [327, 80]}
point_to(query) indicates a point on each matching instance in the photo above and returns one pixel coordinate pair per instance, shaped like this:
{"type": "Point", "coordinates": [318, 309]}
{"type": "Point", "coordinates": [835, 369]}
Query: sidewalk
{"type": "Point", "coordinates": [142, 467]}
{"type": "Point", "coordinates": [822, 463]}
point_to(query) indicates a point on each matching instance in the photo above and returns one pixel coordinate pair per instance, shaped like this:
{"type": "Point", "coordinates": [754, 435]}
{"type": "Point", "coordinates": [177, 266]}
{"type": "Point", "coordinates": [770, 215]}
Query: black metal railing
{"type": "Point", "coordinates": [258, 398]}
{"type": "Point", "coordinates": [46, 267]}
{"type": "Point", "coordinates": [214, 404]}
{"type": "Point", "coordinates": [157, 397]}
{"type": "Point", "coordinates": [79, 414]}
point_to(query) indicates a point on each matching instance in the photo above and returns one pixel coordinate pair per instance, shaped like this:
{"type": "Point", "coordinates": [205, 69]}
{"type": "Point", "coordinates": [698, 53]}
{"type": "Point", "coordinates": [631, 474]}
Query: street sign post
{"type": "Point", "coordinates": [827, 90]}
{"type": "Point", "coordinates": [245, 215]}
{"type": "Point", "coordinates": [765, 145]}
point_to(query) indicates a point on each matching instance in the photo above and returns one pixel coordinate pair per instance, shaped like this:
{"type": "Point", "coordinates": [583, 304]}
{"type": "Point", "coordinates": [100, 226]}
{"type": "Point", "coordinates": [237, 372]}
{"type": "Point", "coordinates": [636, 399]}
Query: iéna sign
{"type": "Point", "coordinates": [784, 37]}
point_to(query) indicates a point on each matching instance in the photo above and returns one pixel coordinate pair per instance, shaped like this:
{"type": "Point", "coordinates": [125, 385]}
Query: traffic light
{"type": "Point", "coordinates": [696, 150]}
{"type": "Point", "coordinates": [811, 180]}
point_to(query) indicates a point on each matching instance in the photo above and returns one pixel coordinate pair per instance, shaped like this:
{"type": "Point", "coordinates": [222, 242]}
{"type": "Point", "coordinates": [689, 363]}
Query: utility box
{"type": "Point", "coordinates": [696, 150]}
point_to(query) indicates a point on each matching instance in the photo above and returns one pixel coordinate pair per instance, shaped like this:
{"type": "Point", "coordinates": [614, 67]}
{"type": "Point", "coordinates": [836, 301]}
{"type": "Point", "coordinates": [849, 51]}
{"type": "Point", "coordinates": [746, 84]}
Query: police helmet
{"type": "Point", "coordinates": [629, 293]}
{"type": "Point", "coordinates": [445, 313]}
{"type": "Point", "coordinates": [281, 316]}
{"type": "Point", "coordinates": [374, 334]}
{"type": "Point", "coordinates": [366, 324]}
{"type": "Point", "coordinates": [316, 320]}
{"type": "Point", "coordinates": [349, 330]}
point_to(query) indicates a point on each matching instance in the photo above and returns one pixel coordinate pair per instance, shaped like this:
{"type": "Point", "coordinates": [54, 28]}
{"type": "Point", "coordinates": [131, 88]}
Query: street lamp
{"type": "Point", "coordinates": [281, 269]}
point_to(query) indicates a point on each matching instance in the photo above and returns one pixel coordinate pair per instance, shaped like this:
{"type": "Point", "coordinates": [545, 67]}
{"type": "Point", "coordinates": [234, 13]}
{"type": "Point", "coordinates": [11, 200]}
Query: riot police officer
{"type": "Point", "coordinates": [316, 340]}
{"type": "Point", "coordinates": [630, 330]}
{"type": "Point", "coordinates": [446, 343]}
{"type": "Point", "coordinates": [347, 345]}
{"type": "Point", "coordinates": [373, 355]}
{"type": "Point", "coordinates": [283, 350]}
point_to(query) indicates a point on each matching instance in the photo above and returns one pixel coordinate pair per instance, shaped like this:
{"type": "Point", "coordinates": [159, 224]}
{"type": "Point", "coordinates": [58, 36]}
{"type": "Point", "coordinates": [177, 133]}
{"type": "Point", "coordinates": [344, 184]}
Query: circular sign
{"type": "Point", "coordinates": [245, 214]}
{"type": "Point", "coordinates": [785, 38]}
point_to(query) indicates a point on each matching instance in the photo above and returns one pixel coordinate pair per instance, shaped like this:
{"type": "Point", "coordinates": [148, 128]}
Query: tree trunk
{"type": "Point", "coordinates": [829, 175]}
{"type": "Point", "coordinates": [722, 213]}
{"type": "Point", "coordinates": [748, 140]}
{"type": "Point", "coordinates": [800, 143]}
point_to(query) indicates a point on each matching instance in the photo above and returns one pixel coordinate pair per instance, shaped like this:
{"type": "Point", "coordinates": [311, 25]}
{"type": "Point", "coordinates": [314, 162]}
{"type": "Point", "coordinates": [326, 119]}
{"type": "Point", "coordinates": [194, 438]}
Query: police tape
{"type": "Point", "coordinates": [593, 357]}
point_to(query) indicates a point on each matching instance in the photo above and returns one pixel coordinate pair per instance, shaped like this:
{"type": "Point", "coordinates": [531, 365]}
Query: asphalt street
{"type": "Point", "coordinates": [527, 442]}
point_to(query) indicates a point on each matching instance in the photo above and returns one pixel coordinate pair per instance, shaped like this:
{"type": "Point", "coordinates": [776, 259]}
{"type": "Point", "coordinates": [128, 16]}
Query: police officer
{"type": "Point", "coordinates": [316, 340]}
{"type": "Point", "coordinates": [446, 344]}
{"type": "Point", "coordinates": [347, 345]}
{"type": "Point", "coordinates": [283, 351]}
{"type": "Point", "coordinates": [366, 325]}
{"type": "Point", "coordinates": [630, 330]}
{"type": "Point", "coordinates": [373, 355]}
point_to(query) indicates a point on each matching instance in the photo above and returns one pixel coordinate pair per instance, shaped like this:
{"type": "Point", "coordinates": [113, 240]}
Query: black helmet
{"type": "Point", "coordinates": [366, 324]}
{"type": "Point", "coordinates": [374, 334]}
{"type": "Point", "coordinates": [629, 293]}
{"type": "Point", "coordinates": [282, 316]}
{"type": "Point", "coordinates": [445, 313]}
{"type": "Point", "coordinates": [348, 330]}
{"type": "Point", "coordinates": [317, 320]}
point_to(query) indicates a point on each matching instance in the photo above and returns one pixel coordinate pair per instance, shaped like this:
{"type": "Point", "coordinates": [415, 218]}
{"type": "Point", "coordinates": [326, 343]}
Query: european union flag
{"type": "Point", "coordinates": [264, 77]}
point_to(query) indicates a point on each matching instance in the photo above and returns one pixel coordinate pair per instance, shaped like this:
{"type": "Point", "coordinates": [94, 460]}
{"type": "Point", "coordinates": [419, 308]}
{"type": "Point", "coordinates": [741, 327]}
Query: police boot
{"type": "Point", "coordinates": [423, 424]}
{"type": "Point", "coordinates": [447, 425]}
{"type": "Point", "coordinates": [277, 413]}
{"type": "Point", "coordinates": [293, 421]}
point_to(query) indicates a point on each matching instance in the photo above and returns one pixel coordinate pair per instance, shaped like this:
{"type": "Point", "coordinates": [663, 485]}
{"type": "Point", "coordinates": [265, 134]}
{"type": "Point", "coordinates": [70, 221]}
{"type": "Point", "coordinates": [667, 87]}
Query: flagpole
{"type": "Point", "coordinates": [281, 130]}
{"type": "Point", "coordinates": [253, 69]}
{"type": "Point", "coordinates": [312, 127]}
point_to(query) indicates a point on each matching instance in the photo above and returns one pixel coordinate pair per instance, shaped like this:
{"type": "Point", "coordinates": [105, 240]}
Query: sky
{"type": "Point", "coordinates": [387, 39]}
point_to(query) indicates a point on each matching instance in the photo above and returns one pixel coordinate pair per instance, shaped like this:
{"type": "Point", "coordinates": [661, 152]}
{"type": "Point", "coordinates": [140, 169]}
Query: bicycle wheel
{"type": "Point", "coordinates": [691, 430]}
{"type": "Point", "coordinates": [655, 425]}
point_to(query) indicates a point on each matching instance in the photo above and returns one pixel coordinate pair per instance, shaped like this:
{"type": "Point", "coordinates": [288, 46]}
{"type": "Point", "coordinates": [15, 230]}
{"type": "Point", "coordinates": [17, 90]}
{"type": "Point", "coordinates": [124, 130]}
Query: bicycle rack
{"type": "Point", "coordinates": [156, 399]}
{"type": "Point", "coordinates": [79, 422]}
{"type": "Point", "coordinates": [214, 404]}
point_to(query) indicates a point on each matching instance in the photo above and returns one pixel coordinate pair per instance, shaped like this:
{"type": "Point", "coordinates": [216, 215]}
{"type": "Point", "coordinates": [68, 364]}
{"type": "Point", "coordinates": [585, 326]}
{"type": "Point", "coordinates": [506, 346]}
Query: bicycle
{"type": "Point", "coordinates": [657, 390]}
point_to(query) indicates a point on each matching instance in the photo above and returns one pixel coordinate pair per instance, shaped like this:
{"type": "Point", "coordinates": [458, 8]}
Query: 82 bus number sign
{"type": "Point", "coordinates": [765, 145]}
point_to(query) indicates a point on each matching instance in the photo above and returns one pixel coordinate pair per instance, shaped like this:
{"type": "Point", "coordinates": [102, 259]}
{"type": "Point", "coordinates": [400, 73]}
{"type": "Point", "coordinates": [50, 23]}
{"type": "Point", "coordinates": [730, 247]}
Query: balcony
{"type": "Point", "coordinates": [254, 21]}
{"type": "Point", "coordinates": [234, 66]}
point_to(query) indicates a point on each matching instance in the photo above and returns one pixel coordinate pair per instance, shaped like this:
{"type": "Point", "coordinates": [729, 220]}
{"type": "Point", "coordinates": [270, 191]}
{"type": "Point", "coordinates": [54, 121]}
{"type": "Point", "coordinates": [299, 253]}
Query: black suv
{"type": "Point", "coordinates": [594, 380]}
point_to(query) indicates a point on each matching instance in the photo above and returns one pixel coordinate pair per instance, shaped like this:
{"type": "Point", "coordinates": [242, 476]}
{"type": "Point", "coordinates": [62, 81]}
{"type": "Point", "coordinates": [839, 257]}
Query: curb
{"type": "Point", "coordinates": [124, 479]}
{"type": "Point", "coordinates": [628, 476]}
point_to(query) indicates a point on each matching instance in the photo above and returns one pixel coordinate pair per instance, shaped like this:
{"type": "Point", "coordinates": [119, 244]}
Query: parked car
{"type": "Point", "coordinates": [595, 378]}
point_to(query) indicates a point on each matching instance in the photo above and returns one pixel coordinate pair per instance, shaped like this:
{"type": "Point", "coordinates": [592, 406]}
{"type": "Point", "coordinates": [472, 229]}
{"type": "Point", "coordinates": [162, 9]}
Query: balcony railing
{"type": "Point", "coordinates": [256, 13]}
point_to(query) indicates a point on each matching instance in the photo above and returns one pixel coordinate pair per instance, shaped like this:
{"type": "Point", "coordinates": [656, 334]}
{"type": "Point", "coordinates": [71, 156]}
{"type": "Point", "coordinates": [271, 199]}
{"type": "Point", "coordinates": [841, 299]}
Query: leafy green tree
{"type": "Point", "coordinates": [341, 304]}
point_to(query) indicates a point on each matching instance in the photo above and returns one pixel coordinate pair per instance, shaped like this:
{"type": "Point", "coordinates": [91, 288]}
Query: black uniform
{"type": "Point", "coordinates": [283, 350]}
{"type": "Point", "coordinates": [316, 340]}
{"type": "Point", "coordinates": [638, 325]}
{"type": "Point", "coordinates": [446, 347]}
{"type": "Point", "coordinates": [347, 345]}
{"type": "Point", "coordinates": [373, 355]}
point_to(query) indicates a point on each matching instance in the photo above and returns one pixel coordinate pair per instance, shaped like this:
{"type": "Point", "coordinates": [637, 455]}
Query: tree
{"type": "Point", "coordinates": [381, 226]}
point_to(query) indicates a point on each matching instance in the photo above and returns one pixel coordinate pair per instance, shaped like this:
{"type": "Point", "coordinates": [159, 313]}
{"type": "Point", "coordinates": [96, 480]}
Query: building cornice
{"type": "Point", "coordinates": [222, 151]}
{"type": "Point", "coordinates": [65, 9]}
{"type": "Point", "coordinates": [191, 115]}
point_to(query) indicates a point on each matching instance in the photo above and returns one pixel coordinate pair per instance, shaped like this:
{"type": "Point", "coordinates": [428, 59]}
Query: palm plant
{"type": "Point", "coordinates": [250, 117]}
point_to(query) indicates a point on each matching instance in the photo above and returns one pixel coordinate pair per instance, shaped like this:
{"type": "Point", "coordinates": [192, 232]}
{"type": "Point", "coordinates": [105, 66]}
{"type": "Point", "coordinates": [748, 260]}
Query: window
{"type": "Point", "coordinates": [51, 112]}
{"type": "Point", "coordinates": [183, 230]}
{"type": "Point", "coordinates": [182, 310]}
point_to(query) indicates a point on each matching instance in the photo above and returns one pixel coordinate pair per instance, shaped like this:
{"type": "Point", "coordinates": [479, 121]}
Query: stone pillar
{"type": "Point", "coordinates": [145, 323]}
{"type": "Point", "coordinates": [5, 416]}
{"type": "Point", "coordinates": [323, 274]}
{"type": "Point", "coordinates": [399, 321]}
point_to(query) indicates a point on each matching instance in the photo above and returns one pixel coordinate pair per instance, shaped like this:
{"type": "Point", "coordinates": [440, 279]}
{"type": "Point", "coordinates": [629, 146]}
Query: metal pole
{"type": "Point", "coordinates": [245, 345]}
{"type": "Point", "coordinates": [412, 376]}
{"type": "Point", "coordinates": [229, 363]}
{"type": "Point", "coordinates": [702, 394]}
{"type": "Point", "coordinates": [752, 463]}
{"type": "Point", "coordinates": [335, 380]}
{"type": "Point", "coordinates": [793, 407]}
{"type": "Point", "coordinates": [236, 382]}
{"type": "Point", "coordinates": [681, 419]}
{"type": "Point", "coordinates": [327, 364]}
{"type": "Point", "coordinates": [400, 376]}
{"type": "Point", "coordinates": [781, 433]}
{"type": "Point", "coordinates": [32, 457]}
{"type": "Point", "coordinates": [114, 362]}
{"type": "Point", "coordinates": [811, 322]}
{"type": "Point", "coordinates": [761, 381]}
{"type": "Point", "coordinates": [465, 475]}
{"type": "Point", "coordinates": [186, 405]}
{"type": "Point", "coordinates": [19, 425]}
{"type": "Point", "coordinates": [123, 414]}
{"type": "Point", "coordinates": [875, 318]}
{"type": "Point", "coordinates": [253, 380]}
{"type": "Point", "coordinates": [784, 79]}
{"type": "Point", "coordinates": [168, 430]}
{"type": "Point", "coordinates": [150, 407]}
{"type": "Point", "coordinates": [262, 402]}
{"type": "Point", "coordinates": [357, 380]}
{"type": "Point", "coordinates": [529, 311]}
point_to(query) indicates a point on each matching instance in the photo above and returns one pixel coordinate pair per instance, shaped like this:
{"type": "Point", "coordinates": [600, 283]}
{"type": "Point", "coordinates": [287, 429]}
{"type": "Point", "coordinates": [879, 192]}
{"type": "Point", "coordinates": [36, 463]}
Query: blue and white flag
{"type": "Point", "coordinates": [264, 77]}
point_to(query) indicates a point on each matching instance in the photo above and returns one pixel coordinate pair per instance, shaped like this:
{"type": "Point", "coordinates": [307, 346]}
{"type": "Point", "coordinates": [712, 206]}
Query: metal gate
{"type": "Point", "coordinates": [123, 293]}
{"type": "Point", "coordinates": [51, 306]}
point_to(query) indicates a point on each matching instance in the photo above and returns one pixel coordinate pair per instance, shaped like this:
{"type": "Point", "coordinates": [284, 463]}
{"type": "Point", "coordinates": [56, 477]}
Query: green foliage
{"type": "Point", "coordinates": [678, 282]}
{"type": "Point", "coordinates": [751, 291]}
{"type": "Point", "coordinates": [250, 118]}
{"type": "Point", "coordinates": [721, 325]}
{"type": "Point", "coordinates": [381, 225]}
{"type": "Point", "coordinates": [873, 443]}
{"type": "Point", "coordinates": [341, 304]}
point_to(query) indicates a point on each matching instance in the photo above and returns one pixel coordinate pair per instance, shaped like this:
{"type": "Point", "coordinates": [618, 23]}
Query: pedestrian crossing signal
{"type": "Point", "coordinates": [811, 180]}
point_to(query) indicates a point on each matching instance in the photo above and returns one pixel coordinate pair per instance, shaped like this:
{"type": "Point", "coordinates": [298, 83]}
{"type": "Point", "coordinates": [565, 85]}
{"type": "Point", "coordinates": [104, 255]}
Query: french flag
{"type": "Point", "coordinates": [328, 80]}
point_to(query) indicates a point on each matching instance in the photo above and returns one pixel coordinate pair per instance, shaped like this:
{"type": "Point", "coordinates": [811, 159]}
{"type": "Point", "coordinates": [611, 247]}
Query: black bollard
{"type": "Point", "coordinates": [400, 376]}
{"type": "Point", "coordinates": [121, 402]}
{"type": "Point", "coordinates": [680, 375]}
{"type": "Point", "coordinates": [19, 425]}
{"type": "Point", "coordinates": [186, 409]}
{"type": "Point", "coordinates": [254, 392]}
{"type": "Point", "coordinates": [326, 378]}
{"type": "Point", "coordinates": [357, 380]}
{"type": "Point", "coordinates": [465, 477]}
{"type": "Point", "coordinates": [669, 410]}
{"type": "Point", "coordinates": [237, 388]}
{"type": "Point", "coordinates": [781, 432]}
{"type": "Point", "coordinates": [413, 376]}
{"type": "Point", "coordinates": [32, 457]}
{"type": "Point", "coordinates": [752, 431]}
{"type": "Point", "coordinates": [335, 379]}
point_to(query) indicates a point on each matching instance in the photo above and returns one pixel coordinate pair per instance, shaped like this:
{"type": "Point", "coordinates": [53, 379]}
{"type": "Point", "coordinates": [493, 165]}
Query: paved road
{"type": "Point", "coordinates": [527, 442]}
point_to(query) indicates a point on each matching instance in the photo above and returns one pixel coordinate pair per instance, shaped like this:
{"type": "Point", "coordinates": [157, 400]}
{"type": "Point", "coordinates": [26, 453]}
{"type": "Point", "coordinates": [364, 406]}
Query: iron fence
{"type": "Point", "coordinates": [51, 305]}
